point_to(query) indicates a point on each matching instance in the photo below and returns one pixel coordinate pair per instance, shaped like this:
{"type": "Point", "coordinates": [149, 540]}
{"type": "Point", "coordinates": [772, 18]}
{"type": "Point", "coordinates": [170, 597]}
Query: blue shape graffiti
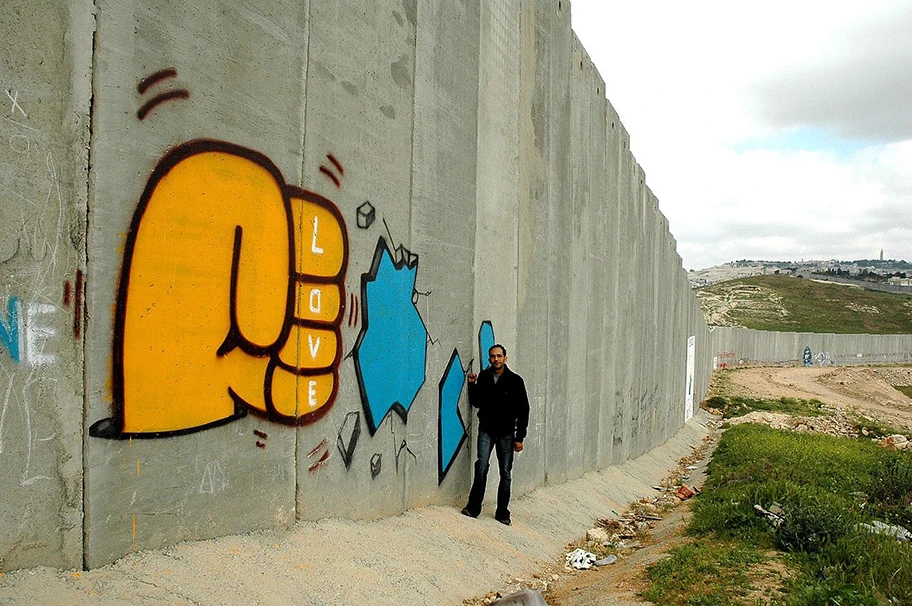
{"type": "Point", "coordinates": [391, 349]}
{"type": "Point", "coordinates": [451, 428]}
{"type": "Point", "coordinates": [9, 330]}
{"type": "Point", "coordinates": [485, 342]}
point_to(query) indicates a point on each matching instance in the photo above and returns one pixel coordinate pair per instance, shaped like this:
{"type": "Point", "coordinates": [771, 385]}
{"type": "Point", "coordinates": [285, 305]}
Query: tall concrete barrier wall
{"type": "Point", "coordinates": [250, 251]}
{"type": "Point", "coordinates": [733, 347]}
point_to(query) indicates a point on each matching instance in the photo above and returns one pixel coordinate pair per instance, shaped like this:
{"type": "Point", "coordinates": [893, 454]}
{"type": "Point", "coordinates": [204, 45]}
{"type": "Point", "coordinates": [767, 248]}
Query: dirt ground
{"type": "Point", "coordinates": [865, 390]}
{"type": "Point", "coordinates": [621, 583]}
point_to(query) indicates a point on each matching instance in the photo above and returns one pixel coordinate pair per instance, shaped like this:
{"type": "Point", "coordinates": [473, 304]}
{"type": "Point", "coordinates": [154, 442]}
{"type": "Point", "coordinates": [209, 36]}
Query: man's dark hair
{"type": "Point", "coordinates": [502, 348]}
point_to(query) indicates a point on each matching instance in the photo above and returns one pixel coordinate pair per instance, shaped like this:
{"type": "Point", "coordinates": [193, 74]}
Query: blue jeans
{"type": "Point", "coordinates": [504, 449]}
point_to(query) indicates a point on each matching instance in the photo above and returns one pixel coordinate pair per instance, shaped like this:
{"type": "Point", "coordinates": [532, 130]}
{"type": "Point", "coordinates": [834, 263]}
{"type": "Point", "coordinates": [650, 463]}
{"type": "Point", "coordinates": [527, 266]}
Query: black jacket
{"type": "Point", "coordinates": [503, 407]}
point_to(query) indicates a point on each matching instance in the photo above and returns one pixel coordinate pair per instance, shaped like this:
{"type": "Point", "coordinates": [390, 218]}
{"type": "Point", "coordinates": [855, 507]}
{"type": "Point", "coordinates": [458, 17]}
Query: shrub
{"type": "Point", "coordinates": [811, 522]}
{"type": "Point", "coordinates": [890, 489]}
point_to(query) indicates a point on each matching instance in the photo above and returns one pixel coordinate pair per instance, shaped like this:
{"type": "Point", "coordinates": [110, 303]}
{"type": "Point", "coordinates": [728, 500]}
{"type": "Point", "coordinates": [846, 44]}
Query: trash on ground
{"type": "Point", "coordinates": [524, 597]}
{"type": "Point", "coordinates": [891, 530]}
{"type": "Point", "coordinates": [773, 515]}
{"type": "Point", "coordinates": [685, 492]}
{"type": "Point", "coordinates": [896, 442]}
{"type": "Point", "coordinates": [609, 559]}
{"type": "Point", "coordinates": [581, 559]}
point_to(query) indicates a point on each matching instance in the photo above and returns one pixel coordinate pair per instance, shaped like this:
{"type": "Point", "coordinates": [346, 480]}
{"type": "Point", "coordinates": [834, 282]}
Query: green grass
{"type": "Point", "coordinates": [714, 573]}
{"type": "Point", "coordinates": [736, 406]}
{"type": "Point", "coordinates": [821, 307]}
{"type": "Point", "coordinates": [826, 486]}
{"type": "Point", "coordinates": [905, 389]}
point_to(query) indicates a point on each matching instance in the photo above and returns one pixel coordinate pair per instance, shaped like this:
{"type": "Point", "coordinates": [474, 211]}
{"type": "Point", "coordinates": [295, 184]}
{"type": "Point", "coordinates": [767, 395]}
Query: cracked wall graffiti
{"type": "Point", "coordinates": [391, 330]}
{"type": "Point", "coordinates": [485, 342]}
{"type": "Point", "coordinates": [451, 428]}
{"type": "Point", "coordinates": [230, 298]}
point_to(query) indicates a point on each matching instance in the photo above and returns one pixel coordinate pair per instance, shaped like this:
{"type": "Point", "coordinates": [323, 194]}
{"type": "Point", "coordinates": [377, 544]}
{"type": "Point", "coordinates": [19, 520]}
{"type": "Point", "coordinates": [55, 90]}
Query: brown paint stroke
{"type": "Point", "coordinates": [319, 463]}
{"type": "Point", "coordinates": [329, 174]}
{"type": "Point", "coordinates": [317, 448]}
{"type": "Point", "coordinates": [162, 74]}
{"type": "Point", "coordinates": [162, 98]}
{"type": "Point", "coordinates": [336, 163]}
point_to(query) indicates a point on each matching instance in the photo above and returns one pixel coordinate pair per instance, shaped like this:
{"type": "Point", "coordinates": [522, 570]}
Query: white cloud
{"type": "Point", "coordinates": [751, 121]}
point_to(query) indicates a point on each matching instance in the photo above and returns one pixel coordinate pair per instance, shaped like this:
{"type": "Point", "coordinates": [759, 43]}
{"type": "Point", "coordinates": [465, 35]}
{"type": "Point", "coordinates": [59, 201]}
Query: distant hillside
{"type": "Point", "coordinates": [783, 303]}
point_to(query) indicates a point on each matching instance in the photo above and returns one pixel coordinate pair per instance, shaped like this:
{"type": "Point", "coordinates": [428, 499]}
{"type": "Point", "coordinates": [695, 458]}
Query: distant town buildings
{"type": "Point", "coordinates": [892, 272]}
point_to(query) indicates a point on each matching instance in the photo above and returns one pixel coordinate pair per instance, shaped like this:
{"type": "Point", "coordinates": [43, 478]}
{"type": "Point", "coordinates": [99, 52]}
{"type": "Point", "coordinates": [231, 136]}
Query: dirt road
{"type": "Point", "coordinates": [865, 389]}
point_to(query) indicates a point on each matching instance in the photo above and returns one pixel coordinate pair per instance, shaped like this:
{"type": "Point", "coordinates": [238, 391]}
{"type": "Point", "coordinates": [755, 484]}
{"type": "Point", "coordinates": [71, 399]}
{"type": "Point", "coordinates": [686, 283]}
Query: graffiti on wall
{"type": "Point", "coordinates": [347, 439]}
{"type": "Point", "coordinates": [154, 80]}
{"type": "Point", "coordinates": [230, 299]}
{"type": "Point", "coordinates": [25, 330]}
{"type": "Point", "coordinates": [451, 429]}
{"type": "Point", "coordinates": [724, 359]}
{"type": "Point", "coordinates": [485, 342]}
{"type": "Point", "coordinates": [391, 330]}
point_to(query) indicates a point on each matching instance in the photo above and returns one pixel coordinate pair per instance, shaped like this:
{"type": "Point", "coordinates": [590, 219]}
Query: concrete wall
{"type": "Point", "coordinates": [251, 250]}
{"type": "Point", "coordinates": [733, 347]}
{"type": "Point", "coordinates": [46, 81]}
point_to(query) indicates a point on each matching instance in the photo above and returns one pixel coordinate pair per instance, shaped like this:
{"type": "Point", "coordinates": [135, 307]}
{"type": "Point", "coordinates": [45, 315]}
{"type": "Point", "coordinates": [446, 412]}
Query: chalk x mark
{"type": "Point", "coordinates": [15, 103]}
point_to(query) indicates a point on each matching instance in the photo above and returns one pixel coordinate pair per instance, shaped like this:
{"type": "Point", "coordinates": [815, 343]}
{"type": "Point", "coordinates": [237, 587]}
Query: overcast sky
{"type": "Point", "coordinates": [768, 130]}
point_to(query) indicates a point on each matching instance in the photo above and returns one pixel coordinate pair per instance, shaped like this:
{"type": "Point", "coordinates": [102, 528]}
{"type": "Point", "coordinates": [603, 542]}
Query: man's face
{"type": "Point", "coordinates": [497, 358]}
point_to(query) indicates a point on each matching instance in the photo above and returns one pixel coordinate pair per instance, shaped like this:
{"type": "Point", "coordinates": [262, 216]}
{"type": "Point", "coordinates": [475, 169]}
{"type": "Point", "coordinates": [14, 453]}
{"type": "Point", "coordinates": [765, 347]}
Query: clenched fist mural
{"type": "Point", "coordinates": [230, 299]}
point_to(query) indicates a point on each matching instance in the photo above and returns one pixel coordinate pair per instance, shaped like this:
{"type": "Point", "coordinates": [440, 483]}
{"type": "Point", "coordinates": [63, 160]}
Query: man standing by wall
{"type": "Point", "coordinates": [500, 396]}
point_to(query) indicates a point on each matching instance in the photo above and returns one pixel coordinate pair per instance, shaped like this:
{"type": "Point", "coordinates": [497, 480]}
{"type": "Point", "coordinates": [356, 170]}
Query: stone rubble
{"type": "Point", "coordinates": [838, 424]}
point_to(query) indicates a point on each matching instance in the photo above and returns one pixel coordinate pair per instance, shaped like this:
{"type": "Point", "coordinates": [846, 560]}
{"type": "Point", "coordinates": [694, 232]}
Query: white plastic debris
{"type": "Point", "coordinates": [609, 559]}
{"type": "Point", "coordinates": [899, 532]}
{"type": "Point", "coordinates": [773, 516]}
{"type": "Point", "coordinates": [581, 559]}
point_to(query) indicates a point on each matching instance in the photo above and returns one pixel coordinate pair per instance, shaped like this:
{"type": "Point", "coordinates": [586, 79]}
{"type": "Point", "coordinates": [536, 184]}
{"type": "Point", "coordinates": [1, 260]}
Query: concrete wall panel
{"type": "Point", "coordinates": [498, 183]}
{"type": "Point", "coordinates": [443, 227]}
{"type": "Point", "coordinates": [576, 351]}
{"type": "Point", "coordinates": [611, 320]}
{"type": "Point", "coordinates": [165, 77]}
{"type": "Point", "coordinates": [560, 269]}
{"type": "Point", "coordinates": [627, 337]}
{"type": "Point", "coordinates": [598, 263]}
{"type": "Point", "coordinates": [359, 117]}
{"type": "Point", "coordinates": [544, 28]}
{"type": "Point", "coordinates": [43, 181]}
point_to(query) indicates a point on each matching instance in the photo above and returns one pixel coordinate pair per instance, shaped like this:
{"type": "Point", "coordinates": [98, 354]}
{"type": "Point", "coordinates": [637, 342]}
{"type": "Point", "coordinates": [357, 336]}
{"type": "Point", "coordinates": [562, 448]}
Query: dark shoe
{"type": "Point", "coordinates": [465, 511]}
{"type": "Point", "coordinates": [504, 521]}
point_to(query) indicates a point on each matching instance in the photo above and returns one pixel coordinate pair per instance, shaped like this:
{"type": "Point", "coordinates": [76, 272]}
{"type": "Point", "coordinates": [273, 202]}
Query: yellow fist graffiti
{"type": "Point", "coordinates": [231, 297]}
